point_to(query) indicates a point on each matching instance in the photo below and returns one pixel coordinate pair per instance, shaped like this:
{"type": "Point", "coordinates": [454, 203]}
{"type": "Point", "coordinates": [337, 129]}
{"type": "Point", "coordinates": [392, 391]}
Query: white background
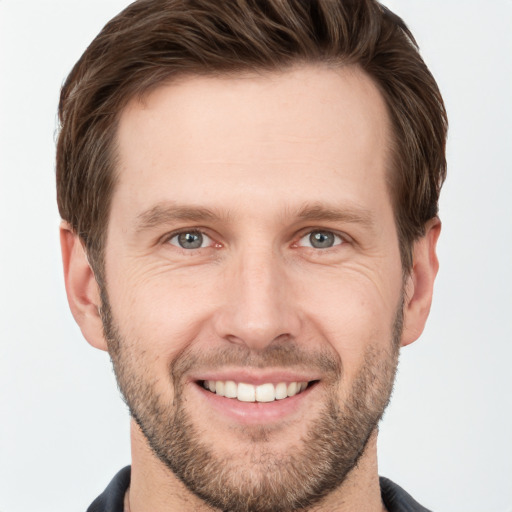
{"type": "Point", "coordinates": [446, 438]}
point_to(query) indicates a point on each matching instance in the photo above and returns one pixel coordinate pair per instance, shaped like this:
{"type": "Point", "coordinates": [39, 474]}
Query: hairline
{"type": "Point", "coordinates": [250, 72]}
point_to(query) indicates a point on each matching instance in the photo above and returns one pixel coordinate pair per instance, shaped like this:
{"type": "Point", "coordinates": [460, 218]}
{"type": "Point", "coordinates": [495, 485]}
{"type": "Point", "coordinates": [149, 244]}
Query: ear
{"type": "Point", "coordinates": [81, 287]}
{"type": "Point", "coordinates": [420, 283]}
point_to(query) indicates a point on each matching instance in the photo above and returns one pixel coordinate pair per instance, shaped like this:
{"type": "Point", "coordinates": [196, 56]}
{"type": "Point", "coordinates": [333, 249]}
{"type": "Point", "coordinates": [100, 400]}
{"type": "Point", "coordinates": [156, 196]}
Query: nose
{"type": "Point", "coordinates": [259, 305]}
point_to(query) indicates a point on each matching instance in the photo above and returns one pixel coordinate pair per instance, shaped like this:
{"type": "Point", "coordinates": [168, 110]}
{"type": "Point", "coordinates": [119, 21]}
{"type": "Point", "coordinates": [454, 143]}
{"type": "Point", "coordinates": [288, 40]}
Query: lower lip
{"type": "Point", "coordinates": [255, 413]}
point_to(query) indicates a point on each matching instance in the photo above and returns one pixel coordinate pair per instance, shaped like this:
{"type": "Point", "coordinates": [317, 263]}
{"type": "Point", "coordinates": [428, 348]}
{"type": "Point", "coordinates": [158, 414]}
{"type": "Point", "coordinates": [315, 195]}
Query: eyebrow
{"type": "Point", "coordinates": [169, 212]}
{"type": "Point", "coordinates": [352, 214]}
{"type": "Point", "coordinates": [166, 213]}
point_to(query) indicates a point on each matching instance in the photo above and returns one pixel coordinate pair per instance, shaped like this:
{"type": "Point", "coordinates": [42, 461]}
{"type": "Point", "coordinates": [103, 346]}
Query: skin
{"type": "Point", "coordinates": [273, 157]}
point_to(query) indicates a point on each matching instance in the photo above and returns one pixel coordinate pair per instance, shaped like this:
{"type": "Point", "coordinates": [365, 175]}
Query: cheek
{"type": "Point", "coordinates": [163, 310]}
{"type": "Point", "coordinates": [353, 311]}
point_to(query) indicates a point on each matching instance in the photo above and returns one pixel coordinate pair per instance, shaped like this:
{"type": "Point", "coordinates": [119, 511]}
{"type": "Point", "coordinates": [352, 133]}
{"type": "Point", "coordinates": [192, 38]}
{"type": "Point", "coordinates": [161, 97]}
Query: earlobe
{"type": "Point", "coordinates": [420, 283]}
{"type": "Point", "coordinates": [81, 287]}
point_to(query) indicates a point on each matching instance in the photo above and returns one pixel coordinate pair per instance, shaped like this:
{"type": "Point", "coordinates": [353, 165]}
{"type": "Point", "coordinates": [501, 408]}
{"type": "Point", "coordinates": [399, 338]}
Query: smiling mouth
{"type": "Point", "coordinates": [267, 392]}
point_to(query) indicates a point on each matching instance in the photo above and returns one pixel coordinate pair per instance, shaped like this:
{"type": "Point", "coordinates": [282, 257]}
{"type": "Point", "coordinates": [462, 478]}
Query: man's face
{"type": "Point", "coordinates": [252, 244]}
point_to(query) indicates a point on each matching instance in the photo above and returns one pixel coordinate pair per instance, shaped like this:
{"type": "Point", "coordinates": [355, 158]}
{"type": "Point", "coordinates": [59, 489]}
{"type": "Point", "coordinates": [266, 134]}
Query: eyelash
{"type": "Point", "coordinates": [200, 232]}
{"type": "Point", "coordinates": [338, 239]}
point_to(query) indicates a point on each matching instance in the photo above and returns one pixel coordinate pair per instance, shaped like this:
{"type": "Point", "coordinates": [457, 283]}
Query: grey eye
{"type": "Point", "coordinates": [190, 240]}
{"type": "Point", "coordinates": [320, 239]}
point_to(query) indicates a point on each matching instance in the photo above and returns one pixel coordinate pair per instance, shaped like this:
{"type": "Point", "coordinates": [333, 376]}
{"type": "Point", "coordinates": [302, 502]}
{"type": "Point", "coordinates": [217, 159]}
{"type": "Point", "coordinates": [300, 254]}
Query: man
{"type": "Point", "coordinates": [249, 199]}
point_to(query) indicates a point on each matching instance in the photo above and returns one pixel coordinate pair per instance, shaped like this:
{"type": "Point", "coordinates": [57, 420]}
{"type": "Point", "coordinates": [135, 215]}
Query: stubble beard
{"type": "Point", "coordinates": [260, 480]}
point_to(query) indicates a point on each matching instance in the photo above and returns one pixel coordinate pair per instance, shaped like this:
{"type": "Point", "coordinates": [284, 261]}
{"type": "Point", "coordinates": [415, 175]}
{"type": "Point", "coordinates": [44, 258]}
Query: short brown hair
{"type": "Point", "coordinates": [152, 41]}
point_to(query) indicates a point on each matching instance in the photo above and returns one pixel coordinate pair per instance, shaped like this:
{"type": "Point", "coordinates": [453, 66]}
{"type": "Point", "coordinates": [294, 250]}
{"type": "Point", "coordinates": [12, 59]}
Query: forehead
{"type": "Point", "coordinates": [224, 140]}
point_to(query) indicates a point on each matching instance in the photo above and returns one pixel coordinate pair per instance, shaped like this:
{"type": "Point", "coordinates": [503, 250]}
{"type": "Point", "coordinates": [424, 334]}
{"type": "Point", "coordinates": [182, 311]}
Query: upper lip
{"type": "Point", "coordinates": [256, 377]}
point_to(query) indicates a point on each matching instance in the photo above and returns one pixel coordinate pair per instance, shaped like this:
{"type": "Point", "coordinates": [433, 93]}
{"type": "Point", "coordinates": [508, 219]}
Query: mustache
{"type": "Point", "coordinates": [285, 354]}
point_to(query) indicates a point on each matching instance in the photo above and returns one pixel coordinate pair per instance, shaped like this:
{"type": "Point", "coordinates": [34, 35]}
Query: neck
{"type": "Point", "coordinates": [155, 487]}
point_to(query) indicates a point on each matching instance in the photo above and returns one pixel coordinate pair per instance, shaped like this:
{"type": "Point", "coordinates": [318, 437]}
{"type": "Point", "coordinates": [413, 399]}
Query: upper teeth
{"type": "Point", "coordinates": [248, 393]}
